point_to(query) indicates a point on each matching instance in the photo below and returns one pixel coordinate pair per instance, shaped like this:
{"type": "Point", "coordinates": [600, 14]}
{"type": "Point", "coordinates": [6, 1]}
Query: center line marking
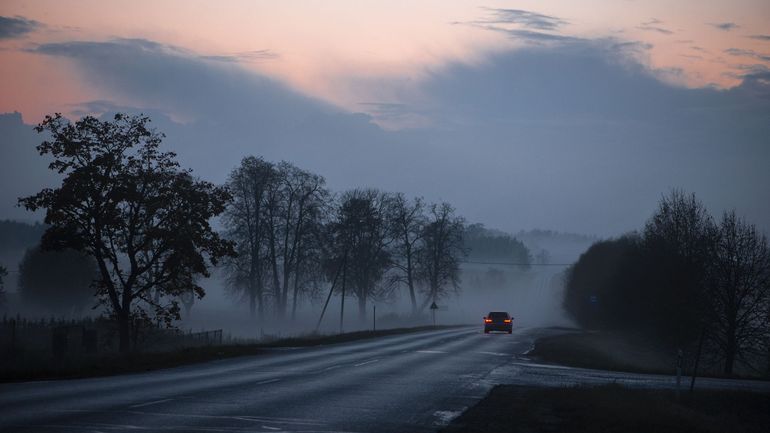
{"type": "Point", "coordinates": [430, 351]}
{"type": "Point", "coordinates": [151, 403]}
{"type": "Point", "coordinates": [268, 381]}
{"type": "Point", "coordinates": [366, 362]}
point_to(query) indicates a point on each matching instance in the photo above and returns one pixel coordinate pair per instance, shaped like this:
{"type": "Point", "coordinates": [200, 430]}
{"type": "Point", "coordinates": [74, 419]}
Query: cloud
{"type": "Point", "coordinates": [727, 26]}
{"type": "Point", "coordinates": [526, 19]}
{"type": "Point", "coordinates": [748, 53]}
{"type": "Point", "coordinates": [244, 56]}
{"type": "Point", "coordinates": [760, 37]}
{"type": "Point", "coordinates": [652, 26]}
{"type": "Point", "coordinates": [573, 136]}
{"type": "Point", "coordinates": [15, 27]}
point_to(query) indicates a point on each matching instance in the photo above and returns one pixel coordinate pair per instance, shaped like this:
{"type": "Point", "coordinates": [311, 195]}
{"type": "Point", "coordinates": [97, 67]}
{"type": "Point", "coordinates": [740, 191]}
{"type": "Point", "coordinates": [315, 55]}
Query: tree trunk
{"type": "Point", "coordinates": [362, 308]}
{"type": "Point", "coordinates": [124, 333]}
{"type": "Point", "coordinates": [410, 283]}
{"type": "Point", "coordinates": [730, 352]}
{"type": "Point", "coordinates": [252, 303]}
{"type": "Point", "coordinates": [296, 295]}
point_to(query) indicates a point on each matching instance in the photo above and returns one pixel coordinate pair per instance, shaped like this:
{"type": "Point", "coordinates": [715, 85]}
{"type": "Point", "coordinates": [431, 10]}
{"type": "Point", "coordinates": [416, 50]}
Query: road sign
{"type": "Point", "coordinates": [433, 306]}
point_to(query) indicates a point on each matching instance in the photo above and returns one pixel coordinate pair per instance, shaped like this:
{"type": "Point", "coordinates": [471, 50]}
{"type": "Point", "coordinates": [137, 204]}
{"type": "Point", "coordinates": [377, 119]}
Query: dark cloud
{"type": "Point", "coordinates": [760, 37]}
{"type": "Point", "coordinates": [527, 19]}
{"type": "Point", "coordinates": [748, 53]}
{"type": "Point", "coordinates": [724, 26]}
{"type": "Point", "coordinates": [529, 36]}
{"type": "Point", "coordinates": [15, 27]}
{"type": "Point", "coordinates": [654, 28]}
{"type": "Point", "coordinates": [573, 136]}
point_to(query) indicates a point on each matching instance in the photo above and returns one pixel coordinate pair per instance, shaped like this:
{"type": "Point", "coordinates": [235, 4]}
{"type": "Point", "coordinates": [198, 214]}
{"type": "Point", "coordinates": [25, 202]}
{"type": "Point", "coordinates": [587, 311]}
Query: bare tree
{"type": "Point", "coordinates": [245, 222]}
{"type": "Point", "coordinates": [275, 211]}
{"type": "Point", "coordinates": [438, 264]}
{"type": "Point", "coordinates": [739, 290]}
{"type": "Point", "coordinates": [407, 221]}
{"type": "Point", "coordinates": [362, 240]}
{"type": "Point", "coordinates": [3, 274]}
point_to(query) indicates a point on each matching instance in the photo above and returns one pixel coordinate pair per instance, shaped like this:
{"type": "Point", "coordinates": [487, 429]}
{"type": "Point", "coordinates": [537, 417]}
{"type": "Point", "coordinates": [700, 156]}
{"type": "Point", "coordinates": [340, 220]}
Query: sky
{"type": "Point", "coordinates": [564, 115]}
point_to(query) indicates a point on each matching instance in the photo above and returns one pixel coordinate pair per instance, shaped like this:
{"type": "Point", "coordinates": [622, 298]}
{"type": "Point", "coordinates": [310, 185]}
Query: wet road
{"type": "Point", "coordinates": [413, 382]}
{"type": "Point", "coordinates": [407, 383]}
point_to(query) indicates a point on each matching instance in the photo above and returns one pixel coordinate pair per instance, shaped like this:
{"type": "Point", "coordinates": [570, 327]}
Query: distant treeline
{"type": "Point", "coordinates": [685, 279]}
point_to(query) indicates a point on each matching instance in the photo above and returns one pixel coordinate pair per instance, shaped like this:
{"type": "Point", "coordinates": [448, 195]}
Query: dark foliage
{"type": "Point", "coordinates": [123, 201]}
{"type": "Point", "coordinates": [57, 281]}
{"type": "Point", "coordinates": [682, 277]}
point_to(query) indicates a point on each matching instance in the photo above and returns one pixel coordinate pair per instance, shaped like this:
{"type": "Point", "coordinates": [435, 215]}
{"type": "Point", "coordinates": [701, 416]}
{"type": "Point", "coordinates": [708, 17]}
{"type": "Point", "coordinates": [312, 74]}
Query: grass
{"type": "Point", "coordinates": [604, 351]}
{"type": "Point", "coordinates": [23, 368]}
{"type": "Point", "coordinates": [620, 352]}
{"type": "Point", "coordinates": [613, 408]}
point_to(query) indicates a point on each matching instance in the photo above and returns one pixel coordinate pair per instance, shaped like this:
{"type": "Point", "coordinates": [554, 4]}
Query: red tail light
{"type": "Point", "coordinates": [487, 320]}
{"type": "Point", "coordinates": [507, 320]}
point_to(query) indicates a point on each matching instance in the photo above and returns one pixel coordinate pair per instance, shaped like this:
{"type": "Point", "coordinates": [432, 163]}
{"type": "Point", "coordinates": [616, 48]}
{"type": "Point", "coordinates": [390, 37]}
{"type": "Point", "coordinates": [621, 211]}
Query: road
{"type": "Point", "coordinates": [406, 383]}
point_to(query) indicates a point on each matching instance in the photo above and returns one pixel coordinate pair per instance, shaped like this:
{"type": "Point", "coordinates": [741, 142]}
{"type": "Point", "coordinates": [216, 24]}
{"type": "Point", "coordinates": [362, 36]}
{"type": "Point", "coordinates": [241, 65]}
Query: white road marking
{"type": "Point", "coordinates": [430, 351]}
{"type": "Point", "coordinates": [270, 428]}
{"type": "Point", "coordinates": [332, 367]}
{"type": "Point", "coordinates": [267, 381]}
{"type": "Point", "coordinates": [151, 403]}
{"type": "Point", "coordinates": [366, 362]}
{"type": "Point", "coordinates": [495, 353]}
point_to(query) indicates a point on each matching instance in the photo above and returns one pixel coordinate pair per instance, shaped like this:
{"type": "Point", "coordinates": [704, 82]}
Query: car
{"type": "Point", "coordinates": [498, 321]}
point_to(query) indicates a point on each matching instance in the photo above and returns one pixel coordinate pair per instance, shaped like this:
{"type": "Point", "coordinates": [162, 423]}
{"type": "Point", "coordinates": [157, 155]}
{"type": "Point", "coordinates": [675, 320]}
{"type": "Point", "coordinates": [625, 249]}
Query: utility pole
{"type": "Point", "coordinates": [374, 317]}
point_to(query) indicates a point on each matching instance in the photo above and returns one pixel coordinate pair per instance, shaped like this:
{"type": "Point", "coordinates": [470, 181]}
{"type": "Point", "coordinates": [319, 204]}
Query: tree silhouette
{"type": "Point", "coordinates": [3, 274]}
{"type": "Point", "coordinates": [407, 221]}
{"type": "Point", "coordinates": [438, 264]}
{"type": "Point", "coordinates": [739, 290]}
{"type": "Point", "coordinates": [143, 219]}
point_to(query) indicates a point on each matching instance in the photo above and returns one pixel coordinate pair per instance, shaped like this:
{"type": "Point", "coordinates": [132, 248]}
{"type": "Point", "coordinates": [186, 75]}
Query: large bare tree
{"type": "Point", "coordinates": [438, 264]}
{"type": "Point", "coordinates": [407, 220]}
{"type": "Point", "coordinates": [362, 245]}
{"type": "Point", "coordinates": [739, 291]}
{"type": "Point", "coordinates": [245, 222]}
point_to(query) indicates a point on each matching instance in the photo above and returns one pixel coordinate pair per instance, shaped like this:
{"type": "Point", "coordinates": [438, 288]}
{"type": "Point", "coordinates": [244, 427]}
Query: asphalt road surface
{"type": "Point", "coordinates": [406, 383]}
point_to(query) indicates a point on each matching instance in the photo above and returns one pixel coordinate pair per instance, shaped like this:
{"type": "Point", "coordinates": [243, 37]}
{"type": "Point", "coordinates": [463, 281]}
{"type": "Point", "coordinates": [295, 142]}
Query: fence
{"type": "Point", "coordinates": [54, 338]}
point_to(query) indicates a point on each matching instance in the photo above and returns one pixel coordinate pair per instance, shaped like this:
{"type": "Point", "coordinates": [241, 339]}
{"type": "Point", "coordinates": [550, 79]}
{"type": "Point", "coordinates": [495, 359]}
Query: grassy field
{"type": "Point", "coordinates": [612, 408]}
{"type": "Point", "coordinates": [20, 368]}
{"type": "Point", "coordinates": [622, 352]}
{"type": "Point", "coordinates": [605, 351]}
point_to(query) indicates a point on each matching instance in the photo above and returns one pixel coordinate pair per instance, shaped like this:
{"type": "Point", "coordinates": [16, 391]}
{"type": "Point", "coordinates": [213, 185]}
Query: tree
{"type": "Point", "coordinates": [143, 219]}
{"type": "Point", "coordinates": [438, 264]}
{"type": "Point", "coordinates": [57, 281]}
{"type": "Point", "coordinates": [489, 245]}
{"type": "Point", "coordinates": [739, 290]}
{"type": "Point", "coordinates": [407, 221]}
{"type": "Point", "coordinates": [245, 222]}
{"type": "Point", "coordinates": [362, 239]}
{"type": "Point", "coordinates": [677, 241]}
{"type": "Point", "coordinates": [304, 198]}
{"type": "Point", "coordinates": [3, 274]}
{"type": "Point", "coordinates": [274, 218]}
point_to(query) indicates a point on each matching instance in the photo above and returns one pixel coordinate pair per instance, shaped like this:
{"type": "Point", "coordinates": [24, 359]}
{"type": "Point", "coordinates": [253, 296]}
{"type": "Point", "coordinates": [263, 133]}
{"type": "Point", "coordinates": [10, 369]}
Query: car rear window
{"type": "Point", "coordinates": [498, 315]}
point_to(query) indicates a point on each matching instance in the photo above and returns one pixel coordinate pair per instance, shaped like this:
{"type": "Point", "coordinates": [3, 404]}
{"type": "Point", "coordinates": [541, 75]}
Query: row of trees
{"type": "Point", "coordinates": [144, 224]}
{"type": "Point", "coordinates": [683, 278]}
{"type": "Point", "coordinates": [292, 235]}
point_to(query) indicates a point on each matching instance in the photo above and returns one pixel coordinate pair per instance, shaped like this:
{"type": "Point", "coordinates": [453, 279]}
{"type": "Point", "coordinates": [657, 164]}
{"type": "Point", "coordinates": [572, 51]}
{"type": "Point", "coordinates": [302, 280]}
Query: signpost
{"type": "Point", "coordinates": [433, 308]}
